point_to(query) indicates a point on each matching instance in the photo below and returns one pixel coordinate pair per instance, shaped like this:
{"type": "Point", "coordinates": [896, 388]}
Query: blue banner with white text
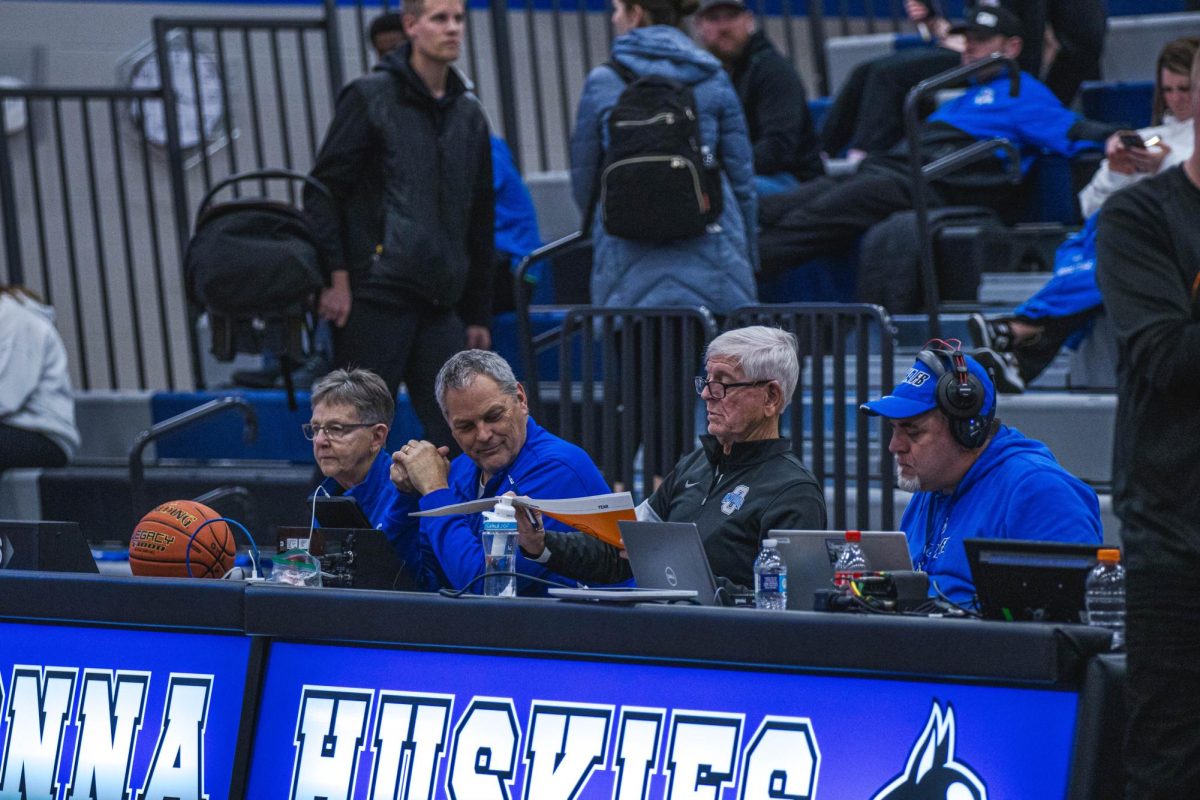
{"type": "Point", "coordinates": [118, 713]}
{"type": "Point", "coordinates": [342, 722]}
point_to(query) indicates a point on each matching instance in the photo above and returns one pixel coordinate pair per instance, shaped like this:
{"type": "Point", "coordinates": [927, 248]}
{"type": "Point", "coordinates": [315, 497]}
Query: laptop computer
{"type": "Point", "coordinates": [669, 555]}
{"type": "Point", "coordinates": [810, 556]}
{"type": "Point", "coordinates": [1025, 580]}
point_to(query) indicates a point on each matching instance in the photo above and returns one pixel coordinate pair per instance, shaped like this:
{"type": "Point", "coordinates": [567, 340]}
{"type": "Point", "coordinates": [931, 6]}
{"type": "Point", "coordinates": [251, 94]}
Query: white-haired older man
{"type": "Point", "coordinates": [743, 481]}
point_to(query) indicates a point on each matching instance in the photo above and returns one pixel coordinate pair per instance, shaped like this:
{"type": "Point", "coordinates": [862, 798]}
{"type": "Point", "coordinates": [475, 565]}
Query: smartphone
{"type": "Point", "coordinates": [340, 511]}
{"type": "Point", "coordinates": [1131, 139]}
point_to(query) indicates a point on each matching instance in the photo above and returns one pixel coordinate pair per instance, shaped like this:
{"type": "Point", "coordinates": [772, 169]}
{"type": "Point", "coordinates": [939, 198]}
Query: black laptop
{"type": "Point", "coordinates": [1025, 580]}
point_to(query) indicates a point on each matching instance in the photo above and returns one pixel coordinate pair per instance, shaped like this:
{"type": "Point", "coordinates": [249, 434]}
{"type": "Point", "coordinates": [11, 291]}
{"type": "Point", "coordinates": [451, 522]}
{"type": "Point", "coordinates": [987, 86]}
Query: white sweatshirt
{"type": "Point", "coordinates": [1177, 135]}
{"type": "Point", "coordinates": [35, 388]}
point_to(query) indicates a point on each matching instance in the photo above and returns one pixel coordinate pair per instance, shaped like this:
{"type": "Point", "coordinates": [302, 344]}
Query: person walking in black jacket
{"type": "Point", "coordinates": [408, 148]}
{"type": "Point", "coordinates": [786, 149]}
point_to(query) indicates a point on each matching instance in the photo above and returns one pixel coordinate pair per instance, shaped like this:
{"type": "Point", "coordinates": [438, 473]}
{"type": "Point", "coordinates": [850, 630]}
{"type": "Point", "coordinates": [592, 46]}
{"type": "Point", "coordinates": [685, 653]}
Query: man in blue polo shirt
{"type": "Point", "coordinates": [503, 450]}
{"type": "Point", "coordinates": [971, 476]}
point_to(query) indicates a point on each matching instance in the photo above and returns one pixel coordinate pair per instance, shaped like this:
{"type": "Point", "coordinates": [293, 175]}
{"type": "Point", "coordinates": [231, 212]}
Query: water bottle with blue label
{"type": "Point", "coordinates": [770, 578]}
{"type": "Point", "coordinates": [499, 548]}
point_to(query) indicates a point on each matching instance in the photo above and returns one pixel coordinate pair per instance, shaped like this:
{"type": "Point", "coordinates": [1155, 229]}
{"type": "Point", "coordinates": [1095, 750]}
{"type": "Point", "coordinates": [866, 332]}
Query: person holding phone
{"type": "Point", "coordinates": [1062, 311]}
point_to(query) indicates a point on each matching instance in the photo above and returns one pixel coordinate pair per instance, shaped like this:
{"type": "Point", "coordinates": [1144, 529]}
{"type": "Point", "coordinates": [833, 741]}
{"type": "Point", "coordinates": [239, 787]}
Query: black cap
{"type": "Point", "coordinates": [706, 5]}
{"type": "Point", "coordinates": [992, 20]}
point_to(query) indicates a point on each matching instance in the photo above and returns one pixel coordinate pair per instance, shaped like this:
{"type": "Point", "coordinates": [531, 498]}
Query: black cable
{"type": "Point", "coordinates": [967, 611]}
{"type": "Point", "coordinates": [465, 589]}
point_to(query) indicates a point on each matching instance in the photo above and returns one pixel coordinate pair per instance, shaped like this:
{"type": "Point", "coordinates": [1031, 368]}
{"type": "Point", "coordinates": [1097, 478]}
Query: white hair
{"type": "Point", "coordinates": [764, 354]}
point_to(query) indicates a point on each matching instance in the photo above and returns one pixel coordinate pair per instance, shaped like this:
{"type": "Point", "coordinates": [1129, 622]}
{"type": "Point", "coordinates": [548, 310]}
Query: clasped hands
{"type": "Point", "coordinates": [420, 467]}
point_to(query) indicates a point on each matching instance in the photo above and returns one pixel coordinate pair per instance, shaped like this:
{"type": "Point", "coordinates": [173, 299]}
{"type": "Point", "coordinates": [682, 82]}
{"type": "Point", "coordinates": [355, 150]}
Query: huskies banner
{"type": "Point", "coordinates": [100, 713]}
{"type": "Point", "coordinates": [340, 723]}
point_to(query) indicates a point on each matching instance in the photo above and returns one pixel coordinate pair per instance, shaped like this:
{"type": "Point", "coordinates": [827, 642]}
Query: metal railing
{"type": "Point", "coordinates": [88, 223]}
{"type": "Point", "coordinates": [924, 174]}
{"type": "Point", "coordinates": [246, 93]}
{"type": "Point", "coordinates": [137, 467]}
{"type": "Point", "coordinates": [846, 359]}
{"type": "Point", "coordinates": [625, 389]}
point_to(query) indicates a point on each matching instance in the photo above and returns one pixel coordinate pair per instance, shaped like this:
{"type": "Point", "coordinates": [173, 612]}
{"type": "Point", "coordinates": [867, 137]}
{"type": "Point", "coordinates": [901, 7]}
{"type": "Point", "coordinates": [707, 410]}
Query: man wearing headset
{"type": "Point", "coordinates": [971, 476]}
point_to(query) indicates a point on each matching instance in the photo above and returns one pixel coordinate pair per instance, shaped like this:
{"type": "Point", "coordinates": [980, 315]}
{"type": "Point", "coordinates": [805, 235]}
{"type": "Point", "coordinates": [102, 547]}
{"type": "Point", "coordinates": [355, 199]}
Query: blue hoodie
{"type": "Point", "coordinates": [1015, 490]}
{"type": "Point", "coordinates": [715, 270]}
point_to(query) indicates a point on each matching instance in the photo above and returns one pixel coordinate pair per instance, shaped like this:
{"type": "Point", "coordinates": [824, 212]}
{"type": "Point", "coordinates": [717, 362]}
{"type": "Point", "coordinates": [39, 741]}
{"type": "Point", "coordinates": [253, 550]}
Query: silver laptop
{"type": "Point", "coordinates": [810, 556]}
{"type": "Point", "coordinates": [669, 555]}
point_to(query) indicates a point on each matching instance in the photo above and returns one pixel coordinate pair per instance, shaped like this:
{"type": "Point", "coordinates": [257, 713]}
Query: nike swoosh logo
{"type": "Point", "coordinates": [689, 484]}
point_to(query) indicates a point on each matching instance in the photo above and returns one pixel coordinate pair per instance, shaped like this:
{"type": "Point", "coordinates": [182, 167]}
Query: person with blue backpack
{"type": "Point", "coordinates": [685, 235]}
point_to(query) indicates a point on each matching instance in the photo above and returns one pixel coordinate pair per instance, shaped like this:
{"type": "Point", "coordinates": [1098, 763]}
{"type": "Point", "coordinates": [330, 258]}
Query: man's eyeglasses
{"type": "Point", "coordinates": [334, 430]}
{"type": "Point", "coordinates": [717, 389]}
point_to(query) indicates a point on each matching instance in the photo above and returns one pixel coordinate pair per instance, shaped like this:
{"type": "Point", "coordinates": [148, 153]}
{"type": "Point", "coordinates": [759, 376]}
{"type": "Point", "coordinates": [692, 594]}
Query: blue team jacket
{"type": "Point", "coordinates": [547, 467]}
{"type": "Point", "coordinates": [1015, 490]}
{"type": "Point", "coordinates": [1034, 120]}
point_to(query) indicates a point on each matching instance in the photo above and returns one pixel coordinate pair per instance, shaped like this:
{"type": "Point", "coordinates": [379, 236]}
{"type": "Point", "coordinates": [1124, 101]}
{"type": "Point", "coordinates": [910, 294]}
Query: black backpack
{"type": "Point", "coordinates": [255, 266]}
{"type": "Point", "coordinates": [657, 182]}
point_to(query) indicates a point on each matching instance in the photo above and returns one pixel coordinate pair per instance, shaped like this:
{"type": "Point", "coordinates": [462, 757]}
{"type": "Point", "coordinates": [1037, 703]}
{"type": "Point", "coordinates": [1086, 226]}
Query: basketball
{"type": "Point", "coordinates": [159, 544]}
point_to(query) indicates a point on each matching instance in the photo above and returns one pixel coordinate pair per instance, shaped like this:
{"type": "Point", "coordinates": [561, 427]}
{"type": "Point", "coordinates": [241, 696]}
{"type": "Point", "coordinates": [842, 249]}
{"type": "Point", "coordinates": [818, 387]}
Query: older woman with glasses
{"type": "Point", "coordinates": [742, 482]}
{"type": "Point", "coordinates": [351, 416]}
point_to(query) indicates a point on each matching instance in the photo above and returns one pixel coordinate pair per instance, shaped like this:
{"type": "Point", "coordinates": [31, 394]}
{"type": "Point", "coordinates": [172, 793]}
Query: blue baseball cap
{"type": "Point", "coordinates": [915, 394]}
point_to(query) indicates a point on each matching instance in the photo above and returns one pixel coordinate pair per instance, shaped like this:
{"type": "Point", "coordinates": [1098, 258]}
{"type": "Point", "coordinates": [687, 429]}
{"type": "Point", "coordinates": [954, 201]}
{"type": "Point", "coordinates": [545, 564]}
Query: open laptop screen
{"type": "Point", "coordinates": [810, 556]}
{"type": "Point", "coordinates": [669, 555]}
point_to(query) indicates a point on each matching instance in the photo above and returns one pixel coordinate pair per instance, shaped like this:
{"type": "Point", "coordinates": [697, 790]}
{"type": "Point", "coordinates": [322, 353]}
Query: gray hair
{"type": "Point", "coordinates": [464, 366]}
{"type": "Point", "coordinates": [359, 388]}
{"type": "Point", "coordinates": [764, 354]}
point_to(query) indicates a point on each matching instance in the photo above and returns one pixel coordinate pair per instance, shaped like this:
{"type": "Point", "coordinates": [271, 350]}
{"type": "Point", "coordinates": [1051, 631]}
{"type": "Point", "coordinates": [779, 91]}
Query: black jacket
{"type": "Point", "coordinates": [734, 501]}
{"type": "Point", "coordinates": [411, 178]}
{"type": "Point", "coordinates": [1148, 268]}
{"type": "Point", "coordinates": [776, 107]}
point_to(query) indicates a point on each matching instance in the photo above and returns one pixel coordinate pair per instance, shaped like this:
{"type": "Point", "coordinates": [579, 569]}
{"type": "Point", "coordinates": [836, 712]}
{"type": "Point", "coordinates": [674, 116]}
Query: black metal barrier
{"type": "Point", "coordinates": [846, 359]}
{"type": "Point", "coordinates": [626, 387]}
{"type": "Point", "coordinates": [925, 174]}
{"type": "Point", "coordinates": [989, 690]}
{"type": "Point", "coordinates": [246, 93]}
{"type": "Point", "coordinates": [91, 223]}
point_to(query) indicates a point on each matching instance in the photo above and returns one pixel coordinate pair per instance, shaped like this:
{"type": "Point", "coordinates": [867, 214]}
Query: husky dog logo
{"type": "Point", "coordinates": [932, 772]}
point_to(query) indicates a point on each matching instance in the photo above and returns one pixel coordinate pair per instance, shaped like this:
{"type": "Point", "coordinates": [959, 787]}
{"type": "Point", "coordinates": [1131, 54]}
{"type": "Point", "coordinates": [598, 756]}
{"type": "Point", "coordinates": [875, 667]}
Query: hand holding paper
{"type": "Point", "coordinates": [597, 515]}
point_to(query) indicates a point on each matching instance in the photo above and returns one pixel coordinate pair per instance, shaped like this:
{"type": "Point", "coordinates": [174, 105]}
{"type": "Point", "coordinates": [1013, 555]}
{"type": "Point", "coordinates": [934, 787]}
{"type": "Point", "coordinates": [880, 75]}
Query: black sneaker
{"type": "Point", "coordinates": [994, 334]}
{"type": "Point", "coordinates": [1003, 369]}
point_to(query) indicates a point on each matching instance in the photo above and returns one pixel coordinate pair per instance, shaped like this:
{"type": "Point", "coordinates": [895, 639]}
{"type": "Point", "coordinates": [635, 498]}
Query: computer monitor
{"type": "Point", "coordinates": [1024, 580]}
{"type": "Point", "coordinates": [44, 545]}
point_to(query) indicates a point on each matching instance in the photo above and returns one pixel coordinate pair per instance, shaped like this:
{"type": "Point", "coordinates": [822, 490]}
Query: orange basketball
{"type": "Point", "coordinates": [159, 544]}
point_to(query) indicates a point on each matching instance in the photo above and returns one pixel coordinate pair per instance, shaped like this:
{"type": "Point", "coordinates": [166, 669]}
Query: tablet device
{"type": "Point", "coordinates": [1017, 579]}
{"type": "Point", "coordinates": [339, 511]}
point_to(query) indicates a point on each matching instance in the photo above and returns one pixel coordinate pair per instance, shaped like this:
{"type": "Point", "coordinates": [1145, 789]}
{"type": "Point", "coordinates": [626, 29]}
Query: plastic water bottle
{"type": "Point", "coordinates": [770, 578]}
{"type": "Point", "coordinates": [1105, 595]}
{"type": "Point", "coordinates": [499, 548]}
{"type": "Point", "coordinates": [851, 561]}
